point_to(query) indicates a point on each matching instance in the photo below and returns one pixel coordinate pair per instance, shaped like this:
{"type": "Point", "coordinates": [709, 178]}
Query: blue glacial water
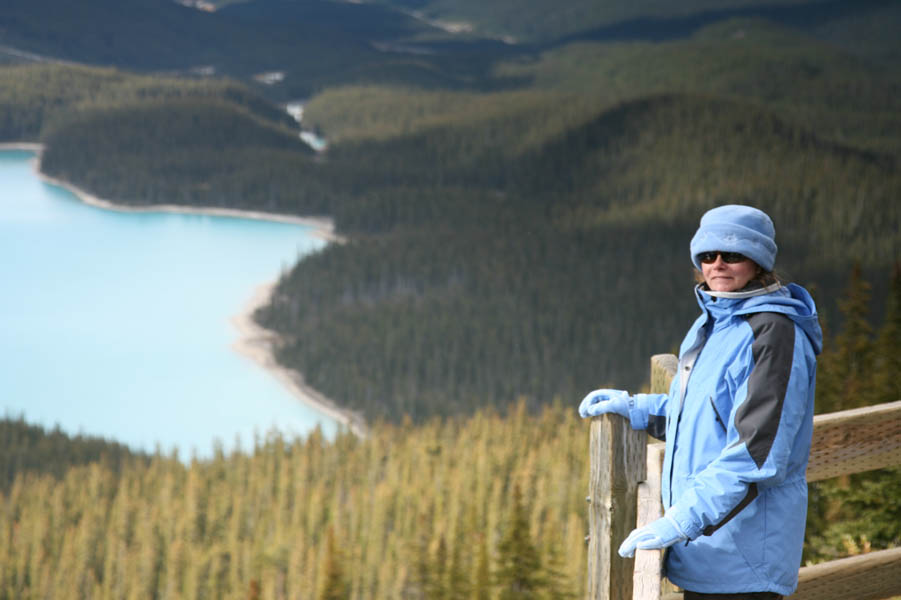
{"type": "Point", "coordinates": [119, 324]}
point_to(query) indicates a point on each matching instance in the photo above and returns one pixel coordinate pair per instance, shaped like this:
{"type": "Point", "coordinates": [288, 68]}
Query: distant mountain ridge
{"type": "Point", "coordinates": [547, 21]}
{"type": "Point", "coordinates": [314, 43]}
{"type": "Point", "coordinates": [318, 43]}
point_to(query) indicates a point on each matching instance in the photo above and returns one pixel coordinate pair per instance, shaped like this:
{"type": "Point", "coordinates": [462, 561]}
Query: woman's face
{"type": "Point", "coordinates": [728, 277]}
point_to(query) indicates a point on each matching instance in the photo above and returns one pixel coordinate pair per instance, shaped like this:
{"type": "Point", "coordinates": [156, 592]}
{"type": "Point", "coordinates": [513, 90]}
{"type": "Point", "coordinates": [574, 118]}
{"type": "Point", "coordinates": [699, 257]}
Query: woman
{"type": "Point", "coordinates": [737, 420]}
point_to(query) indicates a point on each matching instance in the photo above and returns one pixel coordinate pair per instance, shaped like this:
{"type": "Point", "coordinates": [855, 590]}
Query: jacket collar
{"type": "Point", "coordinates": [747, 292]}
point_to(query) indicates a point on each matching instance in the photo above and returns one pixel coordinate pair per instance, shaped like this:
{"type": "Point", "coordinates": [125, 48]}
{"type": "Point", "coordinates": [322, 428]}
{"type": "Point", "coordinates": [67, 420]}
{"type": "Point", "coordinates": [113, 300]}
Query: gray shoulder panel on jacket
{"type": "Point", "coordinates": [657, 427]}
{"type": "Point", "coordinates": [757, 419]}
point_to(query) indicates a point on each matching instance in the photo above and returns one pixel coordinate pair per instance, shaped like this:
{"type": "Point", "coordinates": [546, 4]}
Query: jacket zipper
{"type": "Point", "coordinates": [717, 413]}
{"type": "Point", "coordinates": [685, 372]}
{"type": "Point", "coordinates": [686, 365]}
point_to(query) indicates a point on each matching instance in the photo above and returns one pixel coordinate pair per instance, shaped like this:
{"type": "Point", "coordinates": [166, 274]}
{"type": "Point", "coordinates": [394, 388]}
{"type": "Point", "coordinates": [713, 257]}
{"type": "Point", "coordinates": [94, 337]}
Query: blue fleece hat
{"type": "Point", "coordinates": [736, 228]}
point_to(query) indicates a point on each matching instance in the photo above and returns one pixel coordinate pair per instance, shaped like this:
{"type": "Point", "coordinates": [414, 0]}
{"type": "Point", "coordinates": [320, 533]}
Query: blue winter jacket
{"type": "Point", "coordinates": [737, 422]}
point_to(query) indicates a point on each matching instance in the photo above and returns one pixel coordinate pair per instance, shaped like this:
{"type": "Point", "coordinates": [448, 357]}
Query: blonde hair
{"type": "Point", "coordinates": [763, 277]}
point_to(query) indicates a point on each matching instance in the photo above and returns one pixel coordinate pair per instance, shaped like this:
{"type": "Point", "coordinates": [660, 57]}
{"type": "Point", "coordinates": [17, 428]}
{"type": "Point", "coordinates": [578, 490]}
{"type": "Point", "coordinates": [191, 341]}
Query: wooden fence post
{"type": "Point", "coordinates": [663, 369]}
{"type": "Point", "coordinates": [618, 459]}
{"type": "Point", "coordinates": [647, 580]}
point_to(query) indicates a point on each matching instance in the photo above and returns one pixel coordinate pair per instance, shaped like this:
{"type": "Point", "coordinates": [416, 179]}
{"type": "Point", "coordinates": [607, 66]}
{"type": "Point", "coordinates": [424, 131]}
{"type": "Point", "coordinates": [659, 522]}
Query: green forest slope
{"type": "Point", "coordinates": [160, 140]}
{"type": "Point", "coordinates": [574, 268]}
{"type": "Point", "coordinates": [30, 449]}
{"type": "Point", "coordinates": [411, 512]}
{"type": "Point", "coordinates": [33, 97]}
{"type": "Point", "coordinates": [534, 242]}
{"type": "Point", "coordinates": [865, 27]}
{"type": "Point", "coordinates": [313, 43]}
{"type": "Point", "coordinates": [520, 242]}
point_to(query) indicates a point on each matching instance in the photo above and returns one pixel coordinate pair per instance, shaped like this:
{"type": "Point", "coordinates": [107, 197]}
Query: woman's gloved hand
{"type": "Point", "coordinates": [603, 401]}
{"type": "Point", "coordinates": [661, 533]}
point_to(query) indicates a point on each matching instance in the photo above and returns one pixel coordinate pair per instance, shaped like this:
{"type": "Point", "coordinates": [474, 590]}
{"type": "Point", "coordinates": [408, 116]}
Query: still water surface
{"type": "Point", "coordinates": [118, 324]}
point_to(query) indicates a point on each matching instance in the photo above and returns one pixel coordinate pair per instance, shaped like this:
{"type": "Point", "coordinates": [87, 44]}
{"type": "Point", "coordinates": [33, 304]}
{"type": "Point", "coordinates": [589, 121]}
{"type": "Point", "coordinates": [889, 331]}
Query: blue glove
{"type": "Point", "coordinates": [599, 402]}
{"type": "Point", "coordinates": [661, 533]}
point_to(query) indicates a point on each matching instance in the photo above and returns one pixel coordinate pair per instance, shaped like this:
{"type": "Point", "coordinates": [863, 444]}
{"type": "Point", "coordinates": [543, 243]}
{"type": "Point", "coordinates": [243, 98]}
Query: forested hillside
{"type": "Point", "coordinates": [576, 268]}
{"type": "Point", "coordinates": [194, 152]}
{"type": "Point", "coordinates": [527, 241]}
{"type": "Point", "coordinates": [30, 449]}
{"type": "Point", "coordinates": [144, 140]}
{"type": "Point", "coordinates": [310, 43]}
{"type": "Point", "coordinates": [35, 97]}
{"type": "Point", "coordinates": [448, 509]}
{"type": "Point", "coordinates": [534, 242]}
{"type": "Point", "coordinates": [866, 27]}
{"type": "Point", "coordinates": [860, 366]}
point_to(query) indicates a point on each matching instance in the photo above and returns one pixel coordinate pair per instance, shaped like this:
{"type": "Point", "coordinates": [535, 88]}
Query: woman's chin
{"type": "Point", "coordinates": [722, 287]}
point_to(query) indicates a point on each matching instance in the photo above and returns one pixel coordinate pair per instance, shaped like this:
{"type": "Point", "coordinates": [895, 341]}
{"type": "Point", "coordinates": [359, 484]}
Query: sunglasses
{"type": "Point", "coordinates": [728, 257]}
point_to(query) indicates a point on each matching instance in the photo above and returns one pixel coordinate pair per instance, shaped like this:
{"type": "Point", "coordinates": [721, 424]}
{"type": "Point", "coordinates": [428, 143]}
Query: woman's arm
{"type": "Point", "coordinates": [644, 411]}
{"type": "Point", "coordinates": [648, 412]}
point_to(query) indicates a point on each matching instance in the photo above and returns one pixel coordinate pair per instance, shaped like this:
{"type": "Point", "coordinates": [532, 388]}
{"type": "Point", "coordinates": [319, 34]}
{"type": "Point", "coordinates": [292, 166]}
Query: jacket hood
{"type": "Point", "coordinates": [791, 300]}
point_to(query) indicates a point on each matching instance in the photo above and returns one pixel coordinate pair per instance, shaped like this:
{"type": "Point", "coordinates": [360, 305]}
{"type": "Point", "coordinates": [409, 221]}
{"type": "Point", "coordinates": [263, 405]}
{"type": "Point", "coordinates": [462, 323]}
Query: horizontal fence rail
{"type": "Point", "coordinates": [855, 441]}
{"type": "Point", "coordinates": [871, 576]}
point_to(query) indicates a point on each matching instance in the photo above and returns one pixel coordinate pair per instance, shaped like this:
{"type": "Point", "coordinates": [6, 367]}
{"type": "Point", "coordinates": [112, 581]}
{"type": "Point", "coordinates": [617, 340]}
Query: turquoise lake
{"type": "Point", "coordinates": [118, 324]}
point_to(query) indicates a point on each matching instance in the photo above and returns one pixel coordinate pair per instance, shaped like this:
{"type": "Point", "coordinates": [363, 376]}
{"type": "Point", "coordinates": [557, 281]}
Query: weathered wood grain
{"type": "Point", "coordinates": [647, 578]}
{"type": "Point", "coordinates": [872, 576]}
{"type": "Point", "coordinates": [618, 459]}
{"type": "Point", "coordinates": [663, 369]}
{"type": "Point", "coordinates": [855, 441]}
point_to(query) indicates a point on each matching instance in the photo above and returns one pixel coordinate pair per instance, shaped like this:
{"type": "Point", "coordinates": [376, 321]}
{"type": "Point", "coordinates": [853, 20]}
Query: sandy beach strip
{"type": "Point", "coordinates": [323, 227]}
{"type": "Point", "coordinates": [255, 342]}
{"type": "Point", "coordinates": [258, 344]}
{"type": "Point", "coordinates": [29, 146]}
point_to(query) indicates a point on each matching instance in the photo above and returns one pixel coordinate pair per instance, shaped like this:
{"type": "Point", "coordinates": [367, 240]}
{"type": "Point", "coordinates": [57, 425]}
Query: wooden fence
{"type": "Point", "coordinates": [624, 492]}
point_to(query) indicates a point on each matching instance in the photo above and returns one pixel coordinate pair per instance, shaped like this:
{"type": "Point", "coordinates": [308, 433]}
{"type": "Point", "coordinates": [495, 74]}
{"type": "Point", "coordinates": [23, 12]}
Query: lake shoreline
{"type": "Point", "coordinates": [323, 227]}
{"type": "Point", "coordinates": [259, 344]}
{"type": "Point", "coordinates": [255, 342]}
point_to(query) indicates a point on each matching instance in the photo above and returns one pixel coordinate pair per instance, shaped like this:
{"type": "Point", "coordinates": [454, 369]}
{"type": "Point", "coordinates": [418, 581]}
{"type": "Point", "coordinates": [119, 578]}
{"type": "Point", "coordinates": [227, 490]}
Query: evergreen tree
{"type": "Point", "coordinates": [845, 368]}
{"type": "Point", "coordinates": [334, 586]}
{"type": "Point", "coordinates": [856, 513]}
{"type": "Point", "coordinates": [422, 576]}
{"type": "Point", "coordinates": [253, 592]}
{"type": "Point", "coordinates": [458, 584]}
{"type": "Point", "coordinates": [558, 588]}
{"type": "Point", "coordinates": [437, 585]}
{"type": "Point", "coordinates": [887, 359]}
{"type": "Point", "coordinates": [482, 585]}
{"type": "Point", "coordinates": [519, 575]}
{"type": "Point", "coordinates": [871, 504]}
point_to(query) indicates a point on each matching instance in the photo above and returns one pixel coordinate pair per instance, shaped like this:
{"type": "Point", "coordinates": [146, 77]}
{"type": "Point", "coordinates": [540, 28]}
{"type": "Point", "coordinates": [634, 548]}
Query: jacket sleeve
{"type": "Point", "coordinates": [648, 412]}
{"type": "Point", "coordinates": [770, 408]}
